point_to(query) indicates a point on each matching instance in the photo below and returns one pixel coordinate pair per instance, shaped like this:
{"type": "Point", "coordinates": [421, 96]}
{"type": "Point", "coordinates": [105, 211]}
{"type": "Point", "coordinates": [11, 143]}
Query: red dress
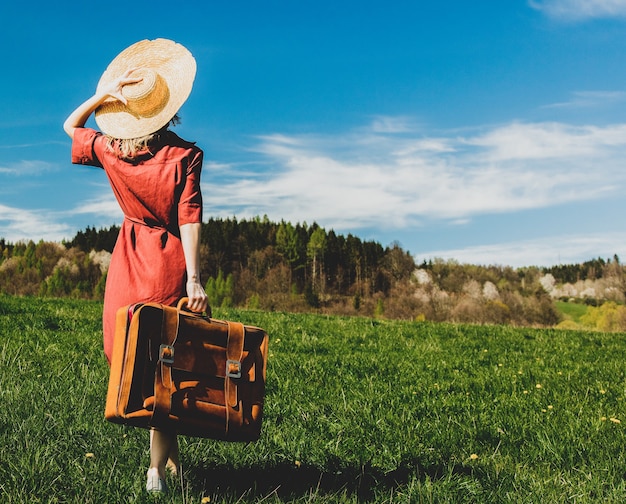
{"type": "Point", "coordinates": [158, 191]}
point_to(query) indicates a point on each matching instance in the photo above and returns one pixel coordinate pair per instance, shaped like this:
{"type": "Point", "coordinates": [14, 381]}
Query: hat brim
{"type": "Point", "coordinates": [172, 62]}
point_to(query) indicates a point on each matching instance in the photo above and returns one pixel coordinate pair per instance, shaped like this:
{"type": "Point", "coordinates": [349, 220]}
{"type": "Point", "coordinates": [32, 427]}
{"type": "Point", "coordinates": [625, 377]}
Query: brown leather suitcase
{"type": "Point", "coordinates": [199, 376]}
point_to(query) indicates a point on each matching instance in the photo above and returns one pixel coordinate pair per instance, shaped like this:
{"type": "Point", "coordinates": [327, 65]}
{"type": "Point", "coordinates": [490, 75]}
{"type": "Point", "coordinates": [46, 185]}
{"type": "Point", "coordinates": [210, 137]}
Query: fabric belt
{"type": "Point", "coordinates": [151, 223]}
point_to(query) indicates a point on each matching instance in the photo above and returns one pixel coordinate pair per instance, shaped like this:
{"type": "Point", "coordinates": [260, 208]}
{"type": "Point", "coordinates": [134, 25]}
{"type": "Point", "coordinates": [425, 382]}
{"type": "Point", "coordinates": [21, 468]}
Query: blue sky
{"type": "Point", "coordinates": [489, 132]}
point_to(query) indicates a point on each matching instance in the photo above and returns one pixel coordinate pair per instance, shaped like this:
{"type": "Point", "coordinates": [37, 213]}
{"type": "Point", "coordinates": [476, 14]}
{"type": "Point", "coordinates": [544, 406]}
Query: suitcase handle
{"type": "Point", "coordinates": [182, 306]}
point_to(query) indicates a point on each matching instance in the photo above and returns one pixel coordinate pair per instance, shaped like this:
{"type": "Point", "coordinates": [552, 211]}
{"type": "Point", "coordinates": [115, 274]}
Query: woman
{"type": "Point", "coordinates": [155, 176]}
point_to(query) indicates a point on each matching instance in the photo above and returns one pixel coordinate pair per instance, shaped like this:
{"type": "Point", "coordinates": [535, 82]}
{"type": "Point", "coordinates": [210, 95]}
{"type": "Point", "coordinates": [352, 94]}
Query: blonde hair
{"type": "Point", "coordinates": [128, 148]}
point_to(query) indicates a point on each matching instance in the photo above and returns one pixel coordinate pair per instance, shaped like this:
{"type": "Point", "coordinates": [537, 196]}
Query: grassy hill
{"type": "Point", "coordinates": [357, 410]}
{"type": "Point", "coordinates": [572, 311]}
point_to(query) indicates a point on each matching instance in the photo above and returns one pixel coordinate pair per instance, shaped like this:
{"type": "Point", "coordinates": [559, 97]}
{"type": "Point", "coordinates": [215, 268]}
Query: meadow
{"type": "Point", "coordinates": [357, 410]}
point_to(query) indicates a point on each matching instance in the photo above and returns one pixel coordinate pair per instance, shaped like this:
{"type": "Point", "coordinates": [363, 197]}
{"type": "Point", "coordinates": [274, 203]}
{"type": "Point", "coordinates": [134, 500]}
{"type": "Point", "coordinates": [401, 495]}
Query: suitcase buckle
{"type": "Point", "coordinates": [233, 368]}
{"type": "Point", "coordinates": [166, 354]}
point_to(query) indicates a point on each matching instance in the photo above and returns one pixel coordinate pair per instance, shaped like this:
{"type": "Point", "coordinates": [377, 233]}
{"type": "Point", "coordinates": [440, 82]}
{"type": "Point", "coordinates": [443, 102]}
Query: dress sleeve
{"type": "Point", "coordinates": [85, 146]}
{"type": "Point", "coordinates": [190, 203]}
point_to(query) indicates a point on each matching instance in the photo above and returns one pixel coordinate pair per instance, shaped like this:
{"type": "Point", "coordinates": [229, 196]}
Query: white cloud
{"type": "Point", "coordinates": [588, 99]}
{"type": "Point", "coordinates": [547, 141]}
{"type": "Point", "coordinates": [361, 179]}
{"type": "Point", "coordinates": [391, 124]}
{"type": "Point", "coordinates": [17, 224]}
{"type": "Point", "coordinates": [571, 249]}
{"type": "Point", "coordinates": [27, 168]}
{"type": "Point", "coordinates": [426, 145]}
{"type": "Point", "coordinates": [575, 10]}
{"type": "Point", "coordinates": [104, 206]}
{"type": "Point", "coordinates": [212, 166]}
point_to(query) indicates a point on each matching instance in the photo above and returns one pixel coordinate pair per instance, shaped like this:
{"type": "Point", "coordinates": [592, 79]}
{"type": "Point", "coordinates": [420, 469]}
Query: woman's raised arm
{"type": "Point", "coordinates": [78, 118]}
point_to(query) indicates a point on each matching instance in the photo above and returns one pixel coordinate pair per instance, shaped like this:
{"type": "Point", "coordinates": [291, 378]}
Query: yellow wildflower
{"type": "Point", "coordinates": [615, 420]}
{"type": "Point", "coordinates": [473, 456]}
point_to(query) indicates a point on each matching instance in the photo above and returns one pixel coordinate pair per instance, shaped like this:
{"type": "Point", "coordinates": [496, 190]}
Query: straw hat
{"type": "Point", "coordinates": [167, 70]}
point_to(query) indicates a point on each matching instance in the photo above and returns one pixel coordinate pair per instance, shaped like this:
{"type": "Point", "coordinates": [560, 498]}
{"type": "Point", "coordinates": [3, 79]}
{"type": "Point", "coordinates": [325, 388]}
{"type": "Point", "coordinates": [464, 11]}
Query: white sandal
{"type": "Point", "coordinates": [155, 484]}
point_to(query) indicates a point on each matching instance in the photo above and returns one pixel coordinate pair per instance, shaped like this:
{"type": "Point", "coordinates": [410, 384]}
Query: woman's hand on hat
{"type": "Point", "coordinates": [78, 118]}
{"type": "Point", "coordinates": [114, 89]}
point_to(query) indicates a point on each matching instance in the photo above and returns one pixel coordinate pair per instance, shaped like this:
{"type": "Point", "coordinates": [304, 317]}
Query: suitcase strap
{"type": "Point", "coordinates": [234, 354]}
{"type": "Point", "coordinates": [163, 382]}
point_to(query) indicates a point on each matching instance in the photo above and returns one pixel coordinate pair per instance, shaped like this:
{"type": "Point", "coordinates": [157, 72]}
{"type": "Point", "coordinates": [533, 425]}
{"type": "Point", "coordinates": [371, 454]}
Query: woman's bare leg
{"type": "Point", "coordinates": [163, 451]}
{"type": "Point", "coordinates": [173, 461]}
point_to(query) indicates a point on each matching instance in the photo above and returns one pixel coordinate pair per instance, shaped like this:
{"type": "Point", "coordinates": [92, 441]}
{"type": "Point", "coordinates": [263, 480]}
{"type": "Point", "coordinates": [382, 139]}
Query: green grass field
{"type": "Point", "coordinates": [357, 410]}
{"type": "Point", "coordinates": [571, 311]}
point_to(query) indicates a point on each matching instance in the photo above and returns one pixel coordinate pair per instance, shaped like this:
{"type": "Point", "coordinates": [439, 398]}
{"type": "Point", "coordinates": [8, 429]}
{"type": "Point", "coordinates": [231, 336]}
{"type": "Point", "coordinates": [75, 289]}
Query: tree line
{"type": "Point", "coordinates": [290, 263]}
{"type": "Point", "coordinates": [268, 265]}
